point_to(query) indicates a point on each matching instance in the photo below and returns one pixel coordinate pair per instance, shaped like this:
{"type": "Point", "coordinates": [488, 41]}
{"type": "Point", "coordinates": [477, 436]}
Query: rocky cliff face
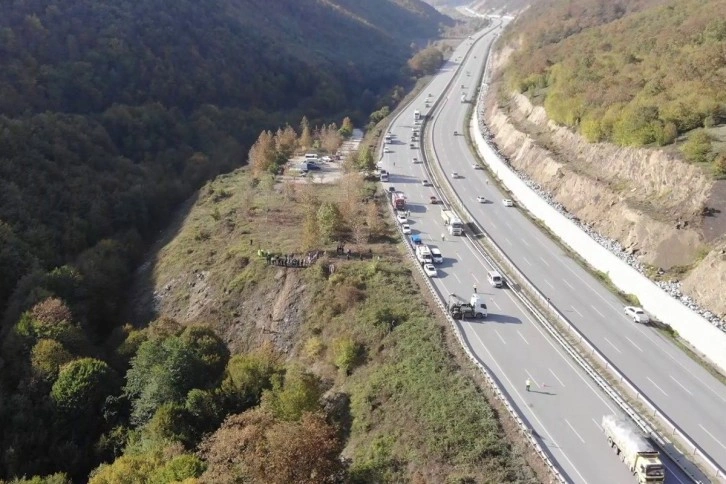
{"type": "Point", "coordinates": [649, 200]}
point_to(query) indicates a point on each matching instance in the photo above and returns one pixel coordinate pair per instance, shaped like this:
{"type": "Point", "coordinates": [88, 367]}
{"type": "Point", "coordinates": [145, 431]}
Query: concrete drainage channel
{"type": "Point", "coordinates": [524, 429]}
{"type": "Point", "coordinates": [666, 445]}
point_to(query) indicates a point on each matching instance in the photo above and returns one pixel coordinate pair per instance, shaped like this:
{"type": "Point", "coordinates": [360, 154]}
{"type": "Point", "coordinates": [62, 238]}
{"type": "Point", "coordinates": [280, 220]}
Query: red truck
{"type": "Point", "coordinates": [398, 200]}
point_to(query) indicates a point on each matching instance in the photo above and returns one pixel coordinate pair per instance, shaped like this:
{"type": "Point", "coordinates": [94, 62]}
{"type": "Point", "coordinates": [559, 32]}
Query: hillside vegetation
{"type": "Point", "coordinates": [366, 373]}
{"type": "Point", "coordinates": [112, 113]}
{"type": "Point", "coordinates": [632, 73]}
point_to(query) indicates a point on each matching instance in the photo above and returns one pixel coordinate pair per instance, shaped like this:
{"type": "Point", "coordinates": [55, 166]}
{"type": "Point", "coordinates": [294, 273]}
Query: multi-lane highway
{"type": "Point", "coordinates": [564, 406]}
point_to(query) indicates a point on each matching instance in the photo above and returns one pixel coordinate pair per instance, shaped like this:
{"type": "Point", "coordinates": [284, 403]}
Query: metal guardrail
{"type": "Point", "coordinates": [582, 339]}
{"type": "Point", "coordinates": [524, 429]}
{"type": "Point", "coordinates": [644, 425]}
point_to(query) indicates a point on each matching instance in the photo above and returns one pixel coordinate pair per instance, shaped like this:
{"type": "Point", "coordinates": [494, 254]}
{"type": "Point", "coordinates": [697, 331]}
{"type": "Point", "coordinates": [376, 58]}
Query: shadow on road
{"type": "Point", "coordinates": [502, 318]}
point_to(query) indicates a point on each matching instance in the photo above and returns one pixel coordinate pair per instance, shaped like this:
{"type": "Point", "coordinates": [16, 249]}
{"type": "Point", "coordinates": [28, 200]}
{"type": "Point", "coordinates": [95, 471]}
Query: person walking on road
{"type": "Point", "coordinates": [527, 384]}
{"type": "Point", "coordinates": [474, 288]}
{"type": "Point", "coordinates": [443, 237]}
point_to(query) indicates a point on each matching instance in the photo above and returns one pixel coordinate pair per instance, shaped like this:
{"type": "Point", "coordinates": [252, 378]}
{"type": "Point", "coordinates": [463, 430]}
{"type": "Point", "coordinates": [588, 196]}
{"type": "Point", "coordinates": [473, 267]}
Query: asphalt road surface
{"type": "Point", "coordinates": [564, 406]}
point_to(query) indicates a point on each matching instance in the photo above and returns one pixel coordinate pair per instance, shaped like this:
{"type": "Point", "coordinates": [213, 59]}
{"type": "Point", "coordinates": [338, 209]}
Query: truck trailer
{"type": "Point", "coordinates": [641, 457]}
{"type": "Point", "coordinates": [454, 224]}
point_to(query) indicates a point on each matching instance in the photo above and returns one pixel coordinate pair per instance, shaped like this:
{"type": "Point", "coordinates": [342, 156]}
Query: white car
{"type": "Point", "coordinates": [414, 160]}
{"type": "Point", "coordinates": [475, 166]}
{"type": "Point", "coordinates": [402, 219]}
{"type": "Point", "coordinates": [425, 183]}
{"type": "Point", "coordinates": [636, 314]}
{"type": "Point", "coordinates": [454, 175]}
{"type": "Point", "coordinates": [430, 270]}
{"type": "Point", "coordinates": [387, 150]}
{"type": "Point", "coordinates": [406, 229]}
{"type": "Point", "coordinates": [481, 199]}
{"type": "Point", "coordinates": [507, 202]}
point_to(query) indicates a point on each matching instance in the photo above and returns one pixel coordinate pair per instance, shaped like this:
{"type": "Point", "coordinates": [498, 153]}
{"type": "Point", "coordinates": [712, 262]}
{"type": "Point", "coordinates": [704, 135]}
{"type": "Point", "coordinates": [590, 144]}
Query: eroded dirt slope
{"type": "Point", "coordinates": [649, 200]}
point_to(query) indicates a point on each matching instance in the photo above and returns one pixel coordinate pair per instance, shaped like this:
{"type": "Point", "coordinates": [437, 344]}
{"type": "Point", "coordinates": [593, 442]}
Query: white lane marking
{"type": "Point", "coordinates": [497, 305]}
{"type": "Point", "coordinates": [522, 336]}
{"type": "Point", "coordinates": [507, 241]}
{"type": "Point", "coordinates": [667, 353]}
{"type": "Point", "coordinates": [543, 260]}
{"type": "Point", "coordinates": [549, 283]}
{"type": "Point", "coordinates": [559, 352]}
{"type": "Point", "coordinates": [575, 431]}
{"type": "Point", "coordinates": [459, 256]}
{"type": "Point", "coordinates": [524, 241]}
{"type": "Point", "coordinates": [616, 348]}
{"type": "Point", "coordinates": [525, 260]}
{"type": "Point", "coordinates": [599, 427]}
{"type": "Point", "coordinates": [555, 446]}
{"type": "Point", "coordinates": [457, 277]}
{"type": "Point", "coordinates": [633, 343]}
{"type": "Point", "coordinates": [556, 377]}
{"type": "Point", "coordinates": [568, 284]}
{"type": "Point", "coordinates": [598, 312]}
{"type": "Point", "coordinates": [474, 276]}
{"type": "Point", "coordinates": [500, 336]}
{"type": "Point", "coordinates": [679, 384]}
{"type": "Point", "coordinates": [711, 435]}
{"type": "Point", "coordinates": [656, 385]}
{"type": "Point", "coordinates": [578, 312]}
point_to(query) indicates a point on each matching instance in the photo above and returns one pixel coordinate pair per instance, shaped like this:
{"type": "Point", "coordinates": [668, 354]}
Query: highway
{"type": "Point", "coordinates": [564, 406]}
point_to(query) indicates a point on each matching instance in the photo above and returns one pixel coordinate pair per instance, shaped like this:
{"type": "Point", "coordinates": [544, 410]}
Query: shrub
{"type": "Point", "coordinates": [698, 147]}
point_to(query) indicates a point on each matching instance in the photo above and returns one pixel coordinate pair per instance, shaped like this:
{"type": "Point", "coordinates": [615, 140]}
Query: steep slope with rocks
{"type": "Point", "coordinates": [664, 215]}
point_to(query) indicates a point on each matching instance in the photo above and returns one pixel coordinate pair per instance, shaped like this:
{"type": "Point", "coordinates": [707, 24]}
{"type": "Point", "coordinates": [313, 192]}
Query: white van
{"type": "Point", "coordinates": [436, 255]}
{"type": "Point", "coordinates": [311, 157]}
{"type": "Point", "coordinates": [495, 279]}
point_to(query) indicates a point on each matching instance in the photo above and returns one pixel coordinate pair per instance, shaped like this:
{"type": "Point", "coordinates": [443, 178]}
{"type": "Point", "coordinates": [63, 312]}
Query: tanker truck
{"type": "Point", "coordinates": [641, 457]}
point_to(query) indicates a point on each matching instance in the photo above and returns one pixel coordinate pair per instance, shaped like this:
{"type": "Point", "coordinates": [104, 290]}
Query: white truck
{"type": "Point", "coordinates": [454, 224]}
{"type": "Point", "coordinates": [423, 254]}
{"type": "Point", "coordinates": [416, 115]}
{"type": "Point", "coordinates": [641, 457]}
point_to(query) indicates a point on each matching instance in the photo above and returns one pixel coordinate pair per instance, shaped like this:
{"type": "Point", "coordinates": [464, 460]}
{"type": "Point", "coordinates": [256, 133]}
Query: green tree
{"type": "Point", "coordinates": [47, 357]}
{"type": "Point", "coordinates": [346, 128]}
{"type": "Point", "coordinates": [306, 137]}
{"type": "Point", "coordinates": [346, 354]}
{"type": "Point", "coordinates": [292, 395]}
{"type": "Point", "coordinates": [697, 147]}
{"type": "Point", "coordinates": [248, 375]}
{"type": "Point", "coordinates": [164, 371]}
{"type": "Point", "coordinates": [365, 159]}
{"type": "Point", "coordinates": [426, 61]}
{"type": "Point", "coordinates": [82, 386]}
{"type": "Point", "coordinates": [330, 221]}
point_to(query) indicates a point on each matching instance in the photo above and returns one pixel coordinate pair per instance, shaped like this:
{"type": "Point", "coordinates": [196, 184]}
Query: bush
{"type": "Point", "coordinates": [346, 354]}
{"type": "Point", "coordinates": [697, 148]}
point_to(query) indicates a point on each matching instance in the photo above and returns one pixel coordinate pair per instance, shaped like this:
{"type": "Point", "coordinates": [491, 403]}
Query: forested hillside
{"type": "Point", "coordinates": [633, 73]}
{"type": "Point", "coordinates": [111, 114]}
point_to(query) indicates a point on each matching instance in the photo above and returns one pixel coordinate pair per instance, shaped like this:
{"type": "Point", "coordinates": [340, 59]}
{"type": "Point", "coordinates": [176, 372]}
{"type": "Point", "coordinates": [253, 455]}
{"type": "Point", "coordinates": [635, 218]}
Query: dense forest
{"type": "Point", "coordinates": [111, 114]}
{"type": "Point", "coordinates": [633, 73]}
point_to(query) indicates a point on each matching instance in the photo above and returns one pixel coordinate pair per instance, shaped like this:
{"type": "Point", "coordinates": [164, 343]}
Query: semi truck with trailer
{"type": "Point", "coordinates": [454, 224]}
{"type": "Point", "coordinates": [637, 452]}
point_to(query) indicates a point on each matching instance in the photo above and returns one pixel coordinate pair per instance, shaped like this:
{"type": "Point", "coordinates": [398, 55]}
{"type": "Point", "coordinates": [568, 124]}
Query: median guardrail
{"type": "Point", "coordinates": [664, 443]}
{"type": "Point", "coordinates": [524, 429]}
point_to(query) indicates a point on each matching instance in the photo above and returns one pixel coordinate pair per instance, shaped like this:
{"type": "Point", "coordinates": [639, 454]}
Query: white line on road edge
{"type": "Point", "coordinates": [554, 445]}
{"type": "Point", "coordinates": [575, 431]}
{"type": "Point", "coordinates": [616, 348]}
{"type": "Point", "coordinates": [679, 384]}
{"type": "Point", "coordinates": [656, 385]}
{"type": "Point", "coordinates": [556, 377]}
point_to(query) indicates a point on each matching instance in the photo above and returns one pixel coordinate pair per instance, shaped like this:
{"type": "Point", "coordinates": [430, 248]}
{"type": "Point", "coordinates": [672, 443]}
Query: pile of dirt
{"type": "Point", "coordinates": [659, 207]}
